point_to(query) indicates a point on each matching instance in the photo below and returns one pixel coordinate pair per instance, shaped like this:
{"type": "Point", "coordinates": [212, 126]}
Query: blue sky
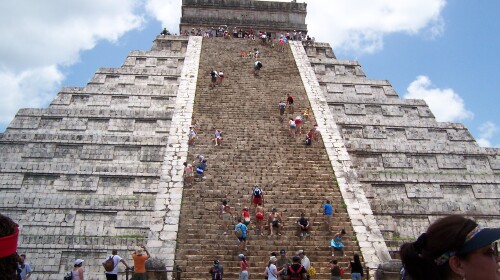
{"type": "Point", "coordinates": [442, 51]}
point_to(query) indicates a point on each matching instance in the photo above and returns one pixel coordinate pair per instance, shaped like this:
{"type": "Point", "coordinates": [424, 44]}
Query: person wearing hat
{"type": "Point", "coordinates": [283, 264]}
{"type": "Point", "coordinates": [140, 256]}
{"type": "Point", "coordinates": [271, 270]}
{"type": "Point", "coordinates": [296, 270]}
{"type": "Point", "coordinates": [77, 272]}
{"type": "Point", "coordinates": [304, 260]}
{"type": "Point", "coordinates": [453, 247]}
{"type": "Point", "coordinates": [244, 268]}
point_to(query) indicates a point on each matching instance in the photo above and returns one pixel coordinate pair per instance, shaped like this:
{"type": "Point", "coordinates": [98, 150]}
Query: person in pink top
{"type": "Point", "coordinates": [244, 268]}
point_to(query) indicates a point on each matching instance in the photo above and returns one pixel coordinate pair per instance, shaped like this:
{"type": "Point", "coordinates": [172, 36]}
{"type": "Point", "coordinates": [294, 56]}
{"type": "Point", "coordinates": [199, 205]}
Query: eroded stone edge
{"type": "Point", "coordinates": [368, 234]}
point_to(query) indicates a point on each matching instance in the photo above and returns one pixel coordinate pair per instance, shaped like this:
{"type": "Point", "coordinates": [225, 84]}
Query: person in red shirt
{"type": "Point", "coordinates": [140, 256]}
{"type": "Point", "coordinates": [246, 216]}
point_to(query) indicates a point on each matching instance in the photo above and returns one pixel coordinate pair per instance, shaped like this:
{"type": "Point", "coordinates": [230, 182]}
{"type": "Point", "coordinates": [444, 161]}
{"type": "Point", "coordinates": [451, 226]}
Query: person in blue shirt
{"type": "Point", "coordinates": [328, 213]}
{"type": "Point", "coordinates": [243, 238]}
{"type": "Point", "coordinates": [25, 268]}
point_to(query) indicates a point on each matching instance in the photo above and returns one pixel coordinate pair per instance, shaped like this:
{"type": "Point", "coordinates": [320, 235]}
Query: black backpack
{"type": "Point", "coordinates": [296, 275]}
{"type": "Point", "coordinates": [216, 273]}
{"type": "Point", "coordinates": [257, 192]}
{"type": "Point", "coordinates": [68, 276]}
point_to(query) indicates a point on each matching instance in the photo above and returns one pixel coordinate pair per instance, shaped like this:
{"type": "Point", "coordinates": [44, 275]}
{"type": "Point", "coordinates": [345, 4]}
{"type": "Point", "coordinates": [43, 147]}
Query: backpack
{"type": "Point", "coordinates": [68, 276]}
{"type": "Point", "coordinates": [216, 273]}
{"type": "Point", "coordinates": [257, 192]}
{"type": "Point", "coordinates": [296, 275]}
{"type": "Point", "coordinates": [238, 232]}
{"type": "Point", "coordinates": [109, 264]}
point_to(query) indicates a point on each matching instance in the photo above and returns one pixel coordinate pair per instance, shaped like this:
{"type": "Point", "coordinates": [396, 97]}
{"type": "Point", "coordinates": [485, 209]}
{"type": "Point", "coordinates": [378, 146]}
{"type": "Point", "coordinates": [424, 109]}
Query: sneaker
{"type": "Point", "coordinates": [224, 233]}
{"type": "Point", "coordinates": [245, 249]}
{"type": "Point", "coordinates": [301, 234]}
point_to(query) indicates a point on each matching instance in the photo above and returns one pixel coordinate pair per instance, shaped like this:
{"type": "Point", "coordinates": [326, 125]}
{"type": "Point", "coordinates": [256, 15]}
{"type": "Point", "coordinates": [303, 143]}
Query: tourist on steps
{"type": "Point", "coordinates": [296, 270]}
{"type": "Point", "coordinates": [275, 221]}
{"type": "Point", "coordinates": [259, 217]}
{"type": "Point", "coordinates": [221, 77]}
{"type": "Point", "coordinates": [217, 271]}
{"type": "Point", "coordinates": [188, 174]}
{"type": "Point", "coordinates": [192, 136]}
{"type": "Point", "coordinates": [113, 274]}
{"type": "Point", "coordinates": [356, 268]}
{"type": "Point", "coordinates": [244, 268]}
{"type": "Point", "coordinates": [289, 101]}
{"type": "Point", "coordinates": [240, 230]}
{"type": "Point", "coordinates": [281, 108]}
{"type": "Point", "coordinates": [283, 264]}
{"type": "Point", "coordinates": [76, 274]}
{"type": "Point", "coordinates": [328, 214]}
{"type": "Point", "coordinates": [140, 256]}
{"type": "Point", "coordinates": [256, 68]}
{"type": "Point", "coordinates": [336, 243]}
{"type": "Point", "coordinates": [213, 78]}
{"type": "Point", "coordinates": [303, 225]}
{"type": "Point", "coordinates": [292, 127]}
{"type": "Point", "coordinates": [226, 215]}
{"type": "Point", "coordinates": [306, 263]}
{"type": "Point", "coordinates": [257, 196]}
{"type": "Point", "coordinates": [271, 270]}
{"type": "Point", "coordinates": [453, 247]}
{"type": "Point", "coordinates": [218, 137]}
{"type": "Point", "coordinates": [335, 270]}
{"type": "Point", "coordinates": [246, 216]}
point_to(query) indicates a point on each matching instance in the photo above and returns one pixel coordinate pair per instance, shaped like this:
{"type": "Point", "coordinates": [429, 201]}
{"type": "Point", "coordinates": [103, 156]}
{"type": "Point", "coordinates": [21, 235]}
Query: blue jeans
{"type": "Point", "coordinates": [356, 276]}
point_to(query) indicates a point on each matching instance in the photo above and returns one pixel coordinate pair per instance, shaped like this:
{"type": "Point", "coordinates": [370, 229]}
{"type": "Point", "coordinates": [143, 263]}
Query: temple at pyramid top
{"type": "Point", "coordinates": [274, 17]}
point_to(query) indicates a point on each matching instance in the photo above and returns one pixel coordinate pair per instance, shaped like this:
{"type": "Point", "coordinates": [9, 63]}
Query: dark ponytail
{"type": "Point", "coordinates": [420, 258]}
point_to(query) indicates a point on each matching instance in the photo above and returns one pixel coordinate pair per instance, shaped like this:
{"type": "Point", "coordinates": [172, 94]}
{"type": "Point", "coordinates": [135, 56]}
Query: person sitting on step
{"type": "Point", "coordinates": [275, 221]}
{"type": "Point", "coordinates": [218, 137]}
{"type": "Point", "coordinates": [303, 225]}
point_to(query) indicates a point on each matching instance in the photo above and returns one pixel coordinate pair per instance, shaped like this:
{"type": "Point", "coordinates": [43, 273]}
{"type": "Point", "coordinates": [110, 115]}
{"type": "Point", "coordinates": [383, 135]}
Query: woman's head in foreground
{"type": "Point", "coordinates": [453, 247]}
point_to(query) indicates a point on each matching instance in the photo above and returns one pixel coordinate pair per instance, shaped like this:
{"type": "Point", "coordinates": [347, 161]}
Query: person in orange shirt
{"type": "Point", "coordinates": [140, 263]}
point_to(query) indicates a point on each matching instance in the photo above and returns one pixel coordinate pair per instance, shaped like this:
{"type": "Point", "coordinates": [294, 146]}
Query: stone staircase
{"type": "Point", "coordinates": [256, 150]}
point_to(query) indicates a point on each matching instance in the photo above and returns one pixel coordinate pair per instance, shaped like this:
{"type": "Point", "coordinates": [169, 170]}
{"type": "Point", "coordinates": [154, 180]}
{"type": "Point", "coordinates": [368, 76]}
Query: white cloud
{"type": "Point", "coordinates": [446, 105]}
{"type": "Point", "coordinates": [168, 12]}
{"type": "Point", "coordinates": [360, 26]}
{"type": "Point", "coordinates": [486, 132]}
{"type": "Point", "coordinates": [40, 36]}
{"type": "Point", "coordinates": [29, 88]}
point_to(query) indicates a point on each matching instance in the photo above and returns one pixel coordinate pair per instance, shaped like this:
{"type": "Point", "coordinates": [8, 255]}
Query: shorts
{"type": "Point", "coordinates": [226, 217]}
{"type": "Point", "coordinates": [275, 223]}
{"type": "Point", "coordinates": [189, 174]}
{"type": "Point", "coordinates": [329, 218]}
{"type": "Point", "coordinates": [259, 216]}
{"type": "Point", "coordinates": [282, 111]}
{"type": "Point", "coordinates": [257, 200]}
{"type": "Point", "coordinates": [214, 79]}
{"type": "Point", "coordinates": [242, 239]}
{"type": "Point", "coordinates": [293, 126]}
{"type": "Point", "coordinates": [298, 122]}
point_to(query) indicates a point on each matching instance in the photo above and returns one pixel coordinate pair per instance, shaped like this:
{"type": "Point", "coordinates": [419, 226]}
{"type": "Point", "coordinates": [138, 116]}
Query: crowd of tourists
{"type": "Point", "coordinates": [265, 37]}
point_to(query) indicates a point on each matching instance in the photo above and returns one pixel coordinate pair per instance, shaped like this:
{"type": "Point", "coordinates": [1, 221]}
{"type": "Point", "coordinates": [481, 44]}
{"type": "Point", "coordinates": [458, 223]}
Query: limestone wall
{"type": "Point", "coordinates": [412, 168]}
{"type": "Point", "coordinates": [81, 177]}
{"type": "Point", "coordinates": [277, 17]}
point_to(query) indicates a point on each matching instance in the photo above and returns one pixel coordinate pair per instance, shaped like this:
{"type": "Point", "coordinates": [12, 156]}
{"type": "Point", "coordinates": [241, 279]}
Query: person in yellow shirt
{"type": "Point", "coordinates": [140, 263]}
